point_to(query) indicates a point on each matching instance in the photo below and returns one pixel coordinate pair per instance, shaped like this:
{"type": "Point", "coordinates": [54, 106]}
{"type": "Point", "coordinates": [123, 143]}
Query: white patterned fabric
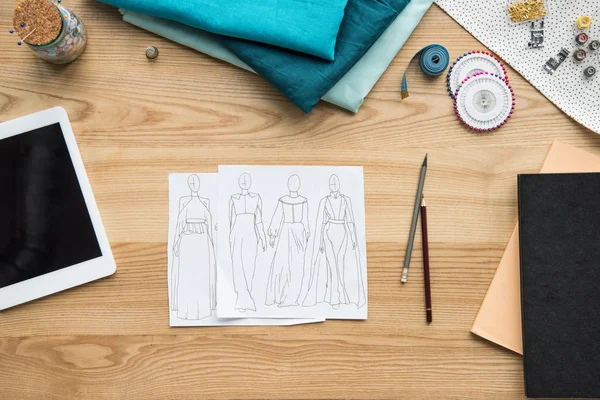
{"type": "Point", "coordinates": [568, 88]}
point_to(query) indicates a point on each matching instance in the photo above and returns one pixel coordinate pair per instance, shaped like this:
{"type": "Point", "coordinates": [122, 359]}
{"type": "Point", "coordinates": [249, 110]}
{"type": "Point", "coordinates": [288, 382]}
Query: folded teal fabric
{"type": "Point", "coordinates": [304, 79]}
{"type": "Point", "coordinates": [349, 92]}
{"type": "Point", "coordinates": [306, 26]}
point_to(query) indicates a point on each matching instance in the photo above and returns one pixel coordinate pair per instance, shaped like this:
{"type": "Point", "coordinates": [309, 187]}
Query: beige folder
{"type": "Point", "coordinates": [499, 318]}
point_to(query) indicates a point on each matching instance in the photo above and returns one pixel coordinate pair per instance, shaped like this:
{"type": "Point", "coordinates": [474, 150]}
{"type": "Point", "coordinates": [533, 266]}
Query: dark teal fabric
{"type": "Point", "coordinates": [304, 79]}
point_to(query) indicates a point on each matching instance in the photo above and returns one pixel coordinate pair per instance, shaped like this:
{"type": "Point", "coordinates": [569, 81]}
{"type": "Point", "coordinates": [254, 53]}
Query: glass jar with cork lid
{"type": "Point", "coordinates": [54, 33]}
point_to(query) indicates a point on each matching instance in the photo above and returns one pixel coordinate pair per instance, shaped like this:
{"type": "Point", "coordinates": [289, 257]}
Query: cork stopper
{"type": "Point", "coordinates": [38, 22]}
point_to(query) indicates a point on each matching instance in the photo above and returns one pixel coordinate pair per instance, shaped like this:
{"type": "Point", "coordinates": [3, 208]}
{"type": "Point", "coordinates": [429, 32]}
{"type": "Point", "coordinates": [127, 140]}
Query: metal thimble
{"type": "Point", "coordinates": [151, 52]}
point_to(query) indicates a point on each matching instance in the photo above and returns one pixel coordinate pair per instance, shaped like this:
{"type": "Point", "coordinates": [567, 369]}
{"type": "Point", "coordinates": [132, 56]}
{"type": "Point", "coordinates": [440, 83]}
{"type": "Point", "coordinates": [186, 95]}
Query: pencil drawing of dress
{"type": "Point", "coordinates": [245, 215]}
{"type": "Point", "coordinates": [290, 226]}
{"type": "Point", "coordinates": [196, 264]}
{"type": "Point", "coordinates": [336, 275]}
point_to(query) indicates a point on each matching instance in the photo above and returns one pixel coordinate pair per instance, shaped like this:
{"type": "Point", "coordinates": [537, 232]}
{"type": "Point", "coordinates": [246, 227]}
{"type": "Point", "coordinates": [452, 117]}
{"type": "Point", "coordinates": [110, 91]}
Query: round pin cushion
{"type": "Point", "coordinates": [471, 63]}
{"type": "Point", "coordinates": [484, 102]}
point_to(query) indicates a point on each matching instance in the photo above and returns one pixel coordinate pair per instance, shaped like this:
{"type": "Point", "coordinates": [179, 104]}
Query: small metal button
{"type": "Point", "coordinates": [580, 55]}
{"type": "Point", "coordinates": [589, 71]}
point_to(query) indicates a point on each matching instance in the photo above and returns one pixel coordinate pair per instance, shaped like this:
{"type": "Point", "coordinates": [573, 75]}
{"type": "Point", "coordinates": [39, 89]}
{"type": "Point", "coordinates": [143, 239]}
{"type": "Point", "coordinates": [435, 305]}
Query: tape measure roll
{"type": "Point", "coordinates": [433, 60]}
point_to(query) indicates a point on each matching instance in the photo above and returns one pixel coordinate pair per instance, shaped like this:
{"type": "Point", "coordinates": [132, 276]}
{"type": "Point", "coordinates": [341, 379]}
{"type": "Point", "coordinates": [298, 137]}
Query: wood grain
{"type": "Point", "coordinates": [136, 121]}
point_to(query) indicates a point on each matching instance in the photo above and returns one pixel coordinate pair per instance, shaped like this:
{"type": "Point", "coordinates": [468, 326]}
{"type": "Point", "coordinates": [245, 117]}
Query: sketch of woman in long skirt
{"type": "Point", "coordinates": [289, 233]}
{"type": "Point", "coordinates": [247, 231]}
{"type": "Point", "coordinates": [195, 268]}
{"type": "Point", "coordinates": [336, 273]}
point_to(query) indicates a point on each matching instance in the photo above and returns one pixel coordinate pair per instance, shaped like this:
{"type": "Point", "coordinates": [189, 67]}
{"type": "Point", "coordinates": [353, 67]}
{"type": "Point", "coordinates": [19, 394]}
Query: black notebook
{"type": "Point", "coordinates": [559, 222]}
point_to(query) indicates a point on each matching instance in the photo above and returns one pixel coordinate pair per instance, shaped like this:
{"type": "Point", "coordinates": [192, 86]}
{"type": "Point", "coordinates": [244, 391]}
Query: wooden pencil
{"type": "Point", "coordinates": [428, 310]}
{"type": "Point", "coordinates": [413, 225]}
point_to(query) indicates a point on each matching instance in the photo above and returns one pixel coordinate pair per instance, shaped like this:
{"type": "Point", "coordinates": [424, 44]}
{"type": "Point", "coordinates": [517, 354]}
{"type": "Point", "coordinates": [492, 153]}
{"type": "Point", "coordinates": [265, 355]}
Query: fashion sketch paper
{"type": "Point", "coordinates": [192, 254]}
{"type": "Point", "coordinates": [292, 242]}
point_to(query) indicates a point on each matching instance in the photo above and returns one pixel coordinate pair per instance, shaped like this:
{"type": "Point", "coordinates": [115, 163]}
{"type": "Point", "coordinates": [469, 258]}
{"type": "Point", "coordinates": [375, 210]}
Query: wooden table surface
{"type": "Point", "coordinates": [136, 121]}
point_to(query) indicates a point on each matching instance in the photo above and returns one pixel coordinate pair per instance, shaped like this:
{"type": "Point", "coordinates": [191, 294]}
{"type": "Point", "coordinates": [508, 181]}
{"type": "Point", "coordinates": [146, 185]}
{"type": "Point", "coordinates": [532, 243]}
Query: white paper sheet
{"type": "Point", "coordinates": [192, 270]}
{"type": "Point", "coordinates": [293, 242]}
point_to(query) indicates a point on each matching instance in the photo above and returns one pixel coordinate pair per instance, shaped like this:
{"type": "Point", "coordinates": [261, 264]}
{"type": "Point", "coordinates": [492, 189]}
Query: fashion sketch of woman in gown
{"type": "Point", "coordinates": [288, 233]}
{"type": "Point", "coordinates": [336, 273]}
{"type": "Point", "coordinates": [194, 274]}
{"type": "Point", "coordinates": [246, 233]}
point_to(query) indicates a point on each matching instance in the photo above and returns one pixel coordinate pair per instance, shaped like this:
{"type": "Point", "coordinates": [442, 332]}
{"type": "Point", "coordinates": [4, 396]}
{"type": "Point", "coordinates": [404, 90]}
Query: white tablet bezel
{"type": "Point", "coordinates": [77, 274]}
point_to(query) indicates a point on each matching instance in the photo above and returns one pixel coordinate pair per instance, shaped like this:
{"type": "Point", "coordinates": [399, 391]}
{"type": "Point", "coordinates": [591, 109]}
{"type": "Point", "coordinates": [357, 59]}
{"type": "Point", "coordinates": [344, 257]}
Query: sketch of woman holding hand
{"type": "Point", "coordinates": [289, 233]}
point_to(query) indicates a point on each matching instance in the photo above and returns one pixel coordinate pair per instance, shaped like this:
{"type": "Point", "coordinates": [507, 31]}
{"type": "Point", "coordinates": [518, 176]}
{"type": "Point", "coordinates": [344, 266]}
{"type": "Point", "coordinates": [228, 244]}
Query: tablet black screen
{"type": "Point", "coordinates": [44, 222]}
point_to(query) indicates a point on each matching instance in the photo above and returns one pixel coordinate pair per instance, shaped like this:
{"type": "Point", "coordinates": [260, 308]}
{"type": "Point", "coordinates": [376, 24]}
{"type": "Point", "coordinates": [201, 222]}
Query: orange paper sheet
{"type": "Point", "coordinates": [499, 318]}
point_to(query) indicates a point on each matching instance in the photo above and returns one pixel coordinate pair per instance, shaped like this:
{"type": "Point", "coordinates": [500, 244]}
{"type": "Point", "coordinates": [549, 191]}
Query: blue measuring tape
{"type": "Point", "coordinates": [433, 59]}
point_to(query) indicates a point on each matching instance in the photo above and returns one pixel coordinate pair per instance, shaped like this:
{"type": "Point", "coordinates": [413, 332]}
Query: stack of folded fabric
{"type": "Point", "coordinates": [308, 49]}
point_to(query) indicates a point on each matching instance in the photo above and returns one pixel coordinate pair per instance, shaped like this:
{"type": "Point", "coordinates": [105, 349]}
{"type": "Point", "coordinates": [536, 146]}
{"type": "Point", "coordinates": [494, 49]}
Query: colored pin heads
{"type": "Point", "coordinates": [484, 102]}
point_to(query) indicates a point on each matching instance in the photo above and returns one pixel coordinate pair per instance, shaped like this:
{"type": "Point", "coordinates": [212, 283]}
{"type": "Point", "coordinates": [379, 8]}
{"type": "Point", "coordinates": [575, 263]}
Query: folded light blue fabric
{"type": "Point", "coordinates": [350, 91]}
{"type": "Point", "coordinates": [353, 87]}
{"type": "Point", "coordinates": [306, 26]}
{"type": "Point", "coordinates": [304, 79]}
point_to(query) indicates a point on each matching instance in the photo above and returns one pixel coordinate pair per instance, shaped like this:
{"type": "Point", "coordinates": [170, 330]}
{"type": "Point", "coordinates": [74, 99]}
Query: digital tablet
{"type": "Point", "coordinates": [51, 234]}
